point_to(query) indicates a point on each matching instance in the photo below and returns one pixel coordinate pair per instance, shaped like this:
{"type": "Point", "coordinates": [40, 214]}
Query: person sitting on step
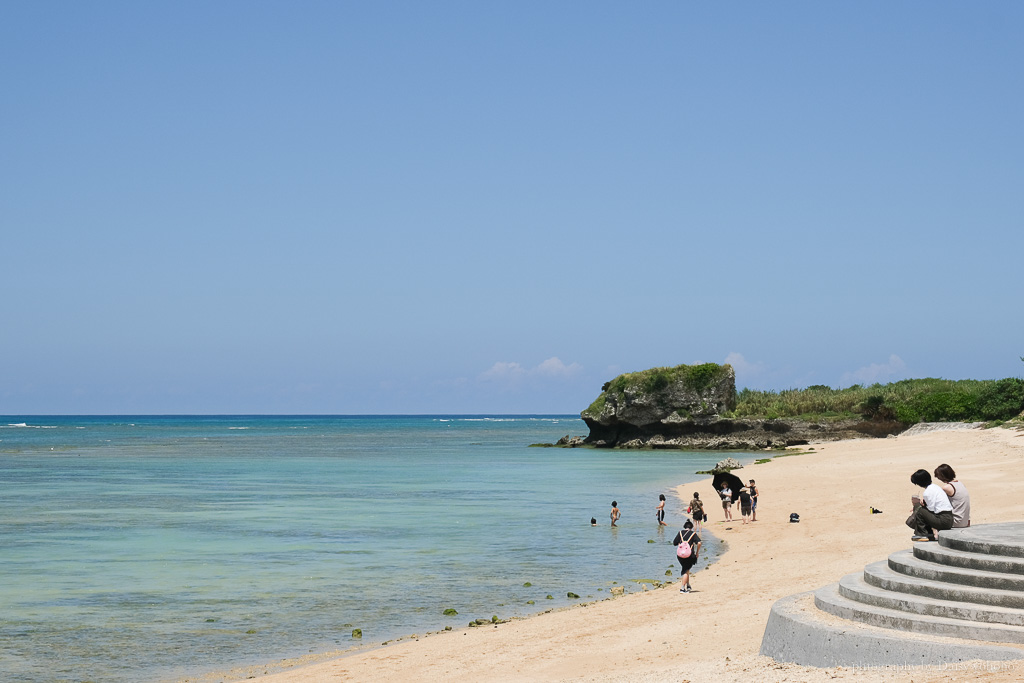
{"type": "Point", "coordinates": [959, 498]}
{"type": "Point", "coordinates": [932, 511]}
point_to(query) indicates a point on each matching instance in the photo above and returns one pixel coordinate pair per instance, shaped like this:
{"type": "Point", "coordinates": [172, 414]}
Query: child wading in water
{"type": "Point", "coordinates": [615, 513]}
{"type": "Point", "coordinates": [660, 510]}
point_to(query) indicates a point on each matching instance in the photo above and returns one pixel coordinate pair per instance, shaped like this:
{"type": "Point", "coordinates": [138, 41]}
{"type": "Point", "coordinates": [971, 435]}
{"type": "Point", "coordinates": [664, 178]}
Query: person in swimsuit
{"type": "Point", "coordinates": [660, 510]}
{"type": "Point", "coordinates": [615, 513]}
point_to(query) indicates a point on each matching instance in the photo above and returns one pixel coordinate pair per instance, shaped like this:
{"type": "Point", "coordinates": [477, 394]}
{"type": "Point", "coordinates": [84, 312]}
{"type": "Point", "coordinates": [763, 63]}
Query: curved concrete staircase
{"type": "Point", "coordinates": [939, 603]}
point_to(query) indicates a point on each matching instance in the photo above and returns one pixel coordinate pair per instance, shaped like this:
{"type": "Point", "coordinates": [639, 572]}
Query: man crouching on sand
{"type": "Point", "coordinates": [932, 514]}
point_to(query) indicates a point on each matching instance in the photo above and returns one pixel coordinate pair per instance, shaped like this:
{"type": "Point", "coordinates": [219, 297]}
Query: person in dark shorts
{"type": "Point", "coordinates": [687, 535]}
{"type": "Point", "coordinates": [746, 502]}
{"type": "Point", "coordinates": [932, 510]}
{"type": "Point", "coordinates": [697, 510]}
{"type": "Point", "coordinates": [753, 497]}
{"type": "Point", "coordinates": [660, 510]}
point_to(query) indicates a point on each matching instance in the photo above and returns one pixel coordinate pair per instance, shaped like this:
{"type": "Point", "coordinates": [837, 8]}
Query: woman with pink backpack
{"type": "Point", "coordinates": [687, 544]}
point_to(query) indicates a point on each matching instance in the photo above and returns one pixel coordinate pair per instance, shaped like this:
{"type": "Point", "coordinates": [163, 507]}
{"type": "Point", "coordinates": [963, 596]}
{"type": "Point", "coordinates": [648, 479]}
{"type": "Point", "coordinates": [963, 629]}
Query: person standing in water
{"type": "Point", "coordinates": [660, 510]}
{"type": "Point", "coordinates": [615, 515]}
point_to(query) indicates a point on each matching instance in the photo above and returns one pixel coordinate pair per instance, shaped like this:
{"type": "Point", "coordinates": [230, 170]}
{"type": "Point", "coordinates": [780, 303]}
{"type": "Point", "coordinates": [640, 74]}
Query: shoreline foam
{"type": "Point", "coordinates": [713, 553]}
{"type": "Point", "coordinates": [714, 633]}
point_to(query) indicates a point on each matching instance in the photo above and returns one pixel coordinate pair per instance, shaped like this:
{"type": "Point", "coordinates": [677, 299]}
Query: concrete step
{"type": "Point", "coordinates": [854, 587]}
{"type": "Point", "coordinates": [940, 554]}
{"type": "Point", "coordinates": [830, 600]}
{"type": "Point", "coordinates": [797, 632]}
{"type": "Point", "coordinates": [904, 562]}
{"type": "Point", "coordinates": [881, 575]}
{"type": "Point", "coordinates": [1005, 539]}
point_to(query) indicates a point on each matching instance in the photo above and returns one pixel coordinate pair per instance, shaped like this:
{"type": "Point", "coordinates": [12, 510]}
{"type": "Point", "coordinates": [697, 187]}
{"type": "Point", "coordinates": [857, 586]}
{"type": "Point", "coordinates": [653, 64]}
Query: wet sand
{"type": "Point", "coordinates": [714, 633]}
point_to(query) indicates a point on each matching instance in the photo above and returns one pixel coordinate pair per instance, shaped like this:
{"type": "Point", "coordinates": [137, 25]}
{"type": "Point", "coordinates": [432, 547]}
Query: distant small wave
{"type": "Point", "coordinates": [553, 420]}
{"type": "Point", "coordinates": [238, 428]}
{"type": "Point", "coordinates": [23, 425]}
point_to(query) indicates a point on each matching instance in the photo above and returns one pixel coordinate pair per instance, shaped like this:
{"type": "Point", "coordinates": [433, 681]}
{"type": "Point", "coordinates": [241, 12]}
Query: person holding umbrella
{"type": "Point", "coordinates": [727, 486]}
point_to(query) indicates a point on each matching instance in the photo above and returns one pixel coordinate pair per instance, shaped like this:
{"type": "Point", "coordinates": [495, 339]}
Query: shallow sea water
{"type": "Point", "coordinates": [153, 548]}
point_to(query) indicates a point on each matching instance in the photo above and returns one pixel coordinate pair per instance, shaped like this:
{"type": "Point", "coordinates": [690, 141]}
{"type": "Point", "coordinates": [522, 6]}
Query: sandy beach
{"type": "Point", "coordinates": [714, 633]}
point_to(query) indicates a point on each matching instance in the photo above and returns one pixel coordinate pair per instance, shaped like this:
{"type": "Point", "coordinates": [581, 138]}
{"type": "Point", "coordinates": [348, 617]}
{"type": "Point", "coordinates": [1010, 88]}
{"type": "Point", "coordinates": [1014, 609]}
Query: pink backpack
{"type": "Point", "coordinates": [684, 549]}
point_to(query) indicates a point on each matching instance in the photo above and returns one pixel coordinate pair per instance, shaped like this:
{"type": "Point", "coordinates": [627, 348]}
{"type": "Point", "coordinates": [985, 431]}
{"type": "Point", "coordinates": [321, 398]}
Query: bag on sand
{"type": "Point", "coordinates": [684, 550]}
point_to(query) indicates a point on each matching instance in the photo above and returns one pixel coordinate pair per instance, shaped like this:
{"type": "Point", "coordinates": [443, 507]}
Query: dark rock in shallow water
{"type": "Point", "coordinates": [726, 465]}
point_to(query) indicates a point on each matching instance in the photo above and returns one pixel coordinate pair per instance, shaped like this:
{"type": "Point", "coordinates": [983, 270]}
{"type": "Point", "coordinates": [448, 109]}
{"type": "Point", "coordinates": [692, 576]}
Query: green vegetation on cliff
{"type": "Point", "coordinates": [908, 401]}
{"type": "Point", "coordinates": [695, 377]}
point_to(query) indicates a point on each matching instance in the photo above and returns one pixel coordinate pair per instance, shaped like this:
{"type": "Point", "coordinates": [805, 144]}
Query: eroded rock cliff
{"type": "Point", "coordinates": [683, 407]}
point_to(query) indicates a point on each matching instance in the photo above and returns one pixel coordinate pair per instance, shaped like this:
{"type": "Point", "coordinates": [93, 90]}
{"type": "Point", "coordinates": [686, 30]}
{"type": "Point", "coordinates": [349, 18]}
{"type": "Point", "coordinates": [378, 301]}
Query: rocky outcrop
{"type": "Point", "coordinates": [663, 395]}
{"type": "Point", "coordinates": [682, 408]}
{"type": "Point", "coordinates": [736, 434]}
{"type": "Point", "coordinates": [726, 465]}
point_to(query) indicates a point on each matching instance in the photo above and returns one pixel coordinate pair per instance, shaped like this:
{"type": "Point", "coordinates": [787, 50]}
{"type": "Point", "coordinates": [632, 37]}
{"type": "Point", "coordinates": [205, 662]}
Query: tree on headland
{"type": "Point", "coordinates": [907, 401]}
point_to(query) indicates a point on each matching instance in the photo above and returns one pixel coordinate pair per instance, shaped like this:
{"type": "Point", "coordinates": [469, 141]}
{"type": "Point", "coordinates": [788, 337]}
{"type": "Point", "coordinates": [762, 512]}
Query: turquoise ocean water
{"type": "Point", "coordinates": [154, 548]}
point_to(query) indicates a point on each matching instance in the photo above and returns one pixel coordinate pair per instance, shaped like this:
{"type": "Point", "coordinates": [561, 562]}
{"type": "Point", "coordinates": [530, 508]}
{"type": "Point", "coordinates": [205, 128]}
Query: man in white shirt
{"type": "Point", "coordinates": [933, 511]}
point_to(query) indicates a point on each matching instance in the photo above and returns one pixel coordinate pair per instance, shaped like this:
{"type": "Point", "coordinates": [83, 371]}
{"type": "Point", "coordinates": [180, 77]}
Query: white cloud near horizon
{"type": "Point", "coordinates": [744, 367]}
{"type": "Point", "coordinates": [554, 367]}
{"type": "Point", "coordinates": [502, 371]}
{"type": "Point", "coordinates": [511, 371]}
{"type": "Point", "coordinates": [876, 372]}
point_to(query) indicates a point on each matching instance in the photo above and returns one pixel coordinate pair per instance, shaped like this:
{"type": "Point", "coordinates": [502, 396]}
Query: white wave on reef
{"type": "Point", "coordinates": [553, 420]}
{"type": "Point", "coordinates": [23, 425]}
{"type": "Point", "coordinates": [509, 418]}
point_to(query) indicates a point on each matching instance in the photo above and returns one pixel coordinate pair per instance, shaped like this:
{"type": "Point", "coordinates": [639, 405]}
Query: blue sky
{"type": "Point", "coordinates": [407, 207]}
